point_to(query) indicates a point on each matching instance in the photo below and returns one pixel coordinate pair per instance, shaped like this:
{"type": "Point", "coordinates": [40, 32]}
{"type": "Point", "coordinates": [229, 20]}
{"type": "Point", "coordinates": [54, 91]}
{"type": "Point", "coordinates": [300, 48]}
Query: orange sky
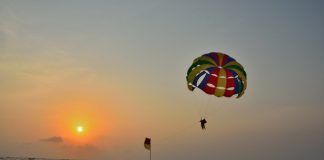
{"type": "Point", "coordinates": [118, 69]}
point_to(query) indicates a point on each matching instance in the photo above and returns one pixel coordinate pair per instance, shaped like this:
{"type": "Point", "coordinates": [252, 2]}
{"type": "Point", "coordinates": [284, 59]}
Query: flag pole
{"type": "Point", "coordinates": [147, 145]}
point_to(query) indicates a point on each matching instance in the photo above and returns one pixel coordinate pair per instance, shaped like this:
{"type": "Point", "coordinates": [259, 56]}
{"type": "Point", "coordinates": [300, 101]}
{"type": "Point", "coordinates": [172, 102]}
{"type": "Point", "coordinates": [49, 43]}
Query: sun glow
{"type": "Point", "coordinates": [82, 122]}
{"type": "Point", "coordinates": [79, 129]}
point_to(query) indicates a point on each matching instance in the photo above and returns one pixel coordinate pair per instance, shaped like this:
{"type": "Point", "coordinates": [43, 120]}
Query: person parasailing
{"type": "Point", "coordinates": [216, 74]}
{"type": "Point", "coordinates": [202, 123]}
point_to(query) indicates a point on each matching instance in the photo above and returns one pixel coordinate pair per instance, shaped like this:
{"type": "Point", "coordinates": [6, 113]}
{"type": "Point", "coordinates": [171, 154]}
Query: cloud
{"type": "Point", "coordinates": [54, 139]}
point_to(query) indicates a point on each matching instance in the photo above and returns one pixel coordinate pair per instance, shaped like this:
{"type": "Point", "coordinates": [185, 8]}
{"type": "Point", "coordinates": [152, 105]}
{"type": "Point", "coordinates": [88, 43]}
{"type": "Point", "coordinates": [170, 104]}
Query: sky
{"type": "Point", "coordinates": [117, 69]}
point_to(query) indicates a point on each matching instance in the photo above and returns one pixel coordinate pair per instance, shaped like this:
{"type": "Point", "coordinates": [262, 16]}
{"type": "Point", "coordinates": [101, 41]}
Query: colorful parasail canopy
{"type": "Point", "coordinates": [217, 74]}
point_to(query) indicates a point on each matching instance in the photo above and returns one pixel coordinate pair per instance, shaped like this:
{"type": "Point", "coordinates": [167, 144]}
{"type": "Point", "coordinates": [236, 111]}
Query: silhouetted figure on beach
{"type": "Point", "coordinates": [202, 123]}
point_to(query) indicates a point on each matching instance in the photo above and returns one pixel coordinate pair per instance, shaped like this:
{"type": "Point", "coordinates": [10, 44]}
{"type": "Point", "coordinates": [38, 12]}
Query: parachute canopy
{"type": "Point", "coordinates": [217, 74]}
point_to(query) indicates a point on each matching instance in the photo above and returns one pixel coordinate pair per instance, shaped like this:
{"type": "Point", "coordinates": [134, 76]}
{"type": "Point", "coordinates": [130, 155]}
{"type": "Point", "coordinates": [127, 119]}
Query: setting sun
{"type": "Point", "coordinates": [79, 129]}
{"type": "Point", "coordinates": [82, 121]}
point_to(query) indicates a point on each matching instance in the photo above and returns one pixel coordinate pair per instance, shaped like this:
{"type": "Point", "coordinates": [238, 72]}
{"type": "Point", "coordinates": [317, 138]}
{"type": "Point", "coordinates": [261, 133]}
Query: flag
{"type": "Point", "coordinates": [147, 143]}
